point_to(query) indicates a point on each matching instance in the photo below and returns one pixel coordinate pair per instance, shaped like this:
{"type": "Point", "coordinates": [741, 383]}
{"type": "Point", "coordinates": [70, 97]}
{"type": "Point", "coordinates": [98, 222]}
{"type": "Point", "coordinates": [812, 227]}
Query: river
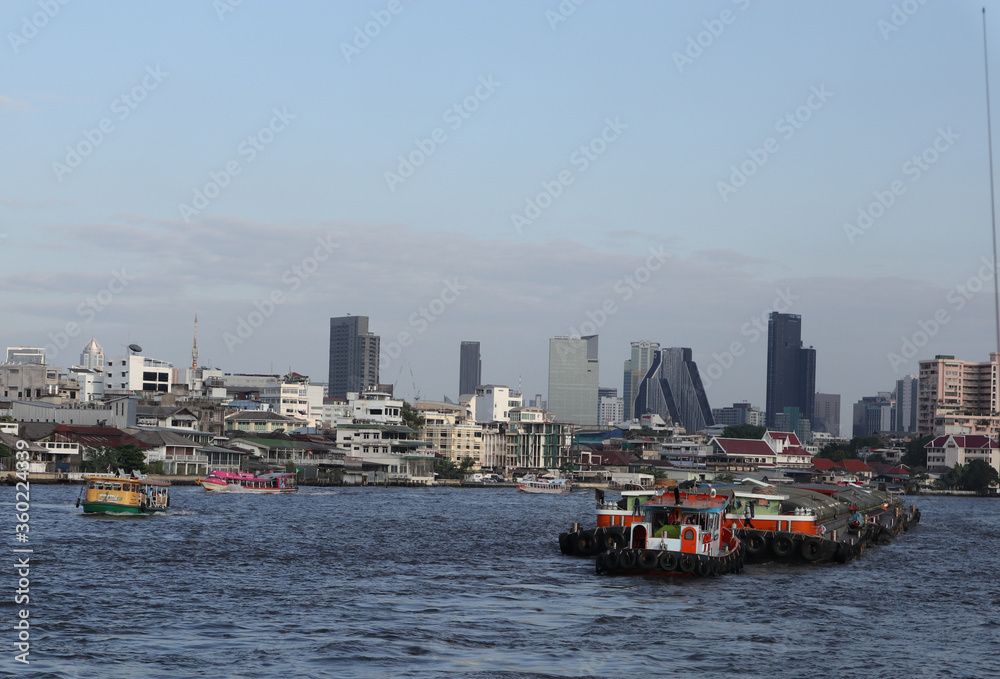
{"type": "Point", "coordinates": [414, 582]}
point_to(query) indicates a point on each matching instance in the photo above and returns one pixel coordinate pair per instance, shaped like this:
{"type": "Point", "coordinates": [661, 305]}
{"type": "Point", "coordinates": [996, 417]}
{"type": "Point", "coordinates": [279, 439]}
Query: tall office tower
{"type": "Point", "coordinates": [873, 414]}
{"type": "Point", "coordinates": [673, 390]}
{"type": "Point", "coordinates": [92, 356]}
{"type": "Point", "coordinates": [826, 413]}
{"type": "Point", "coordinates": [353, 356]}
{"type": "Point", "coordinates": [470, 368]}
{"type": "Point", "coordinates": [791, 369]}
{"type": "Point", "coordinates": [907, 391]}
{"type": "Point", "coordinates": [636, 368]}
{"type": "Point", "coordinates": [573, 379]}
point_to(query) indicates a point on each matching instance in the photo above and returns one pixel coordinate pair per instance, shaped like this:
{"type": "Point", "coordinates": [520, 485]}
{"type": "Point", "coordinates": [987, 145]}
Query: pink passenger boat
{"type": "Point", "coordinates": [243, 482]}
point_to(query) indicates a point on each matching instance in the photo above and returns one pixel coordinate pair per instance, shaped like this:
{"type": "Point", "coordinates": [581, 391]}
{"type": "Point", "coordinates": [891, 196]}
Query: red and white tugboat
{"type": "Point", "coordinates": [680, 534]}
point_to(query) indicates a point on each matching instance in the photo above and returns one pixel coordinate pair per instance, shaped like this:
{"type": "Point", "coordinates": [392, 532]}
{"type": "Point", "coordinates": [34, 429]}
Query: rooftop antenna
{"type": "Point", "coordinates": [194, 351]}
{"type": "Point", "coordinates": [993, 210]}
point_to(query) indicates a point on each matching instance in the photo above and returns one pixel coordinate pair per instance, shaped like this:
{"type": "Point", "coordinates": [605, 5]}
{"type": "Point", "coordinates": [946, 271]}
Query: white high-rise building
{"type": "Point", "coordinates": [573, 379]}
{"type": "Point", "coordinates": [92, 356]}
{"type": "Point", "coordinates": [494, 402]}
{"type": "Point", "coordinates": [137, 373]}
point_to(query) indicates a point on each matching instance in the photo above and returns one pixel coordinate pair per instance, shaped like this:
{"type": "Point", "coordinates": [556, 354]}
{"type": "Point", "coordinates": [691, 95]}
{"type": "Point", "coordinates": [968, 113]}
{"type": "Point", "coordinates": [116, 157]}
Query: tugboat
{"type": "Point", "coordinates": [680, 534]}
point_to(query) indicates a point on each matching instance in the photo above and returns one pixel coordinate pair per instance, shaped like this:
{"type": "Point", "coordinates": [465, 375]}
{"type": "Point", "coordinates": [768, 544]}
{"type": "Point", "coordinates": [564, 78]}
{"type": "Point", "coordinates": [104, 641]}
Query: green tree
{"type": "Point", "coordinates": [644, 432]}
{"type": "Point", "coordinates": [743, 431]}
{"type": "Point", "coordinates": [978, 475]}
{"type": "Point", "coordinates": [411, 416]}
{"type": "Point", "coordinates": [446, 469]}
{"type": "Point", "coordinates": [657, 473]}
{"type": "Point", "coordinates": [916, 452]}
{"type": "Point", "coordinates": [128, 457]}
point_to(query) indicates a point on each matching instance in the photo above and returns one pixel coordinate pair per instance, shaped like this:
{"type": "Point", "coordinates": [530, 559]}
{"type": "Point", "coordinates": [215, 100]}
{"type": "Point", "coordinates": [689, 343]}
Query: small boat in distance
{"type": "Point", "coordinates": [242, 482]}
{"type": "Point", "coordinates": [533, 484]}
{"type": "Point", "coordinates": [122, 494]}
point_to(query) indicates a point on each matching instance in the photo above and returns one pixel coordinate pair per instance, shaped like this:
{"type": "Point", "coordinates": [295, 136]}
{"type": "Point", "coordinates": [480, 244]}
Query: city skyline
{"type": "Point", "coordinates": [674, 172]}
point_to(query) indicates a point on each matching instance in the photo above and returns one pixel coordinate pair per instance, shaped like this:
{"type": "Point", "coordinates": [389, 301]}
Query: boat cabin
{"type": "Point", "coordinates": [687, 523]}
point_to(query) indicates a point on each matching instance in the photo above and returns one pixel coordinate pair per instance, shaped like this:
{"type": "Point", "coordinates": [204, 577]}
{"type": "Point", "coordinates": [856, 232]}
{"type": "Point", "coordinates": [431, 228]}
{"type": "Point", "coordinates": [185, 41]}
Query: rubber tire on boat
{"type": "Point", "coordinates": [627, 559]}
{"type": "Point", "coordinates": [586, 544]}
{"type": "Point", "coordinates": [811, 549]}
{"type": "Point", "coordinates": [782, 545]}
{"type": "Point", "coordinates": [599, 564]}
{"type": "Point", "coordinates": [755, 543]}
{"type": "Point", "coordinates": [704, 568]}
{"type": "Point", "coordinates": [612, 540]}
{"type": "Point", "coordinates": [667, 562]}
{"type": "Point", "coordinates": [564, 543]}
{"type": "Point", "coordinates": [687, 563]}
{"type": "Point", "coordinates": [611, 560]}
{"type": "Point", "coordinates": [647, 559]}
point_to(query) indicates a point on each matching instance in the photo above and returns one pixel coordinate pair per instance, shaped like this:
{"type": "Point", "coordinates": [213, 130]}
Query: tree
{"type": "Point", "coordinates": [411, 416]}
{"type": "Point", "coordinates": [446, 469]}
{"type": "Point", "coordinates": [916, 452]}
{"type": "Point", "coordinates": [644, 432]}
{"type": "Point", "coordinates": [978, 475]}
{"type": "Point", "coordinates": [128, 457]}
{"type": "Point", "coordinates": [744, 431]}
{"type": "Point", "coordinates": [654, 472]}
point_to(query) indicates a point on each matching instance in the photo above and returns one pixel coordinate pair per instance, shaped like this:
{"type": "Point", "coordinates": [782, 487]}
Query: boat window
{"type": "Point", "coordinates": [117, 486]}
{"type": "Point", "coordinates": [91, 484]}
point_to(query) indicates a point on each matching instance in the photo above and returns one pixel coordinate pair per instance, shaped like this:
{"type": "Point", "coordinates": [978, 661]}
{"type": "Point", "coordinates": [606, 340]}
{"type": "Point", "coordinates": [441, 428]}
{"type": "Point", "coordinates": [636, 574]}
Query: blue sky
{"type": "Point", "coordinates": [614, 123]}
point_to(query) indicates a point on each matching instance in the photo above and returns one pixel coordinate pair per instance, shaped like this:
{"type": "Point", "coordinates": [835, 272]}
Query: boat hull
{"type": "Point", "coordinates": [234, 488]}
{"type": "Point", "coordinates": [109, 508]}
{"type": "Point", "coordinates": [549, 491]}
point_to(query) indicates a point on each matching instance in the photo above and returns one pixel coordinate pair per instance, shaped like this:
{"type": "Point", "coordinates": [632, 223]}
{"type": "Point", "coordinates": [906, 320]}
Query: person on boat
{"type": "Point", "coordinates": [748, 515]}
{"type": "Point", "coordinates": [677, 495]}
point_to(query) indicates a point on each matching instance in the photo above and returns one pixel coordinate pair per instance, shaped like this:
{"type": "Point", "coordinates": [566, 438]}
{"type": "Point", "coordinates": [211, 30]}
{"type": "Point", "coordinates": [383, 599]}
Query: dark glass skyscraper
{"type": "Point", "coordinates": [672, 389]}
{"type": "Point", "coordinates": [470, 368]}
{"type": "Point", "coordinates": [791, 369]}
{"type": "Point", "coordinates": [354, 354]}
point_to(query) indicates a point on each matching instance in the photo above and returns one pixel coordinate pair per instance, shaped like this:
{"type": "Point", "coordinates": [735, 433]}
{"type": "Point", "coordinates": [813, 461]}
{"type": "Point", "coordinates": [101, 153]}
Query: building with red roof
{"type": "Point", "coordinates": [945, 452]}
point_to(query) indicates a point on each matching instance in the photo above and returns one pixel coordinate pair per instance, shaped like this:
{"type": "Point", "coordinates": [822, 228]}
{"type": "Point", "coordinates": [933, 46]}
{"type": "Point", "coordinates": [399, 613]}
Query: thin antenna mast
{"type": "Point", "coordinates": [993, 210]}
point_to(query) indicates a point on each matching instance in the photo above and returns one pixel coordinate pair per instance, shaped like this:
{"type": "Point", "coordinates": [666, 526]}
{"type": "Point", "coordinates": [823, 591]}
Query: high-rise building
{"type": "Point", "coordinates": [26, 355]}
{"type": "Point", "coordinates": [958, 397]}
{"type": "Point", "coordinates": [738, 413]}
{"type": "Point", "coordinates": [470, 368]}
{"type": "Point", "coordinates": [873, 414]}
{"type": "Point", "coordinates": [92, 356]}
{"type": "Point", "coordinates": [573, 379]}
{"type": "Point", "coordinates": [791, 369]}
{"type": "Point", "coordinates": [354, 354]}
{"type": "Point", "coordinates": [826, 414]}
{"type": "Point", "coordinates": [907, 392]}
{"type": "Point", "coordinates": [636, 368]}
{"type": "Point", "coordinates": [673, 390]}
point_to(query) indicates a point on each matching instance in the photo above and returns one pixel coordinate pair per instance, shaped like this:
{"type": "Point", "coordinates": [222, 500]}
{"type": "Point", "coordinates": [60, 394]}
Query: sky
{"type": "Point", "coordinates": [501, 172]}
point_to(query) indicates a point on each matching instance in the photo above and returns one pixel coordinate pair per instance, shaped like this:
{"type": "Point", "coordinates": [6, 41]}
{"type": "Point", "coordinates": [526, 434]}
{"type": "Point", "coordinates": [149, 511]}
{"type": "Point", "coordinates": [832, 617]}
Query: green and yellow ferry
{"type": "Point", "coordinates": [115, 494]}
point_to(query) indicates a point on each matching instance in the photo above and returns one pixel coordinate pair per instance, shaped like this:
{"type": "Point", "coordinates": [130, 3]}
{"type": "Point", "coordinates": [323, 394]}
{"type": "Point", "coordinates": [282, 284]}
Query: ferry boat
{"type": "Point", "coordinates": [532, 484]}
{"type": "Point", "coordinates": [680, 534]}
{"type": "Point", "coordinates": [242, 482]}
{"type": "Point", "coordinates": [121, 494]}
